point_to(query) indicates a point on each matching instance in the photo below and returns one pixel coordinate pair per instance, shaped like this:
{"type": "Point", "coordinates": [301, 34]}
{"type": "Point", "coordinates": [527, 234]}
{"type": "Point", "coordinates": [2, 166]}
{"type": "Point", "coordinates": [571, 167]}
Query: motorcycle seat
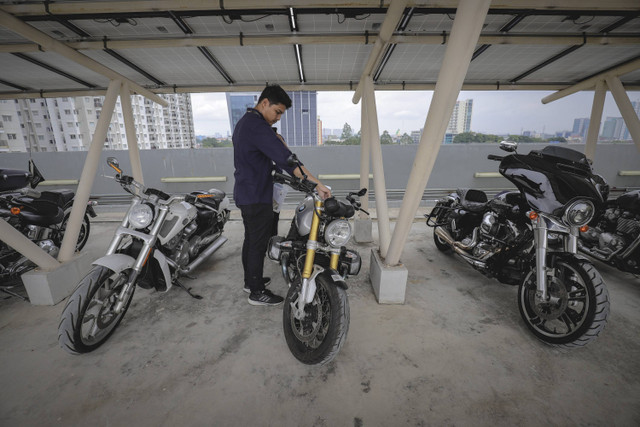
{"type": "Point", "coordinates": [211, 198]}
{"type": "Point", "coordinates": [41, 212]}
{"type": "Point", "coordinates": [59, 197]}
{"type": "Point", "coordinates": [472, 200]}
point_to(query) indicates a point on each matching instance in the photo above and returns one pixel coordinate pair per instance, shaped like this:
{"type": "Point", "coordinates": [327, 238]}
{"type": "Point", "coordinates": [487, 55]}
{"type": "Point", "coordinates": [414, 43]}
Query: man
{"type": "Point", "coordinates": [256, 148]}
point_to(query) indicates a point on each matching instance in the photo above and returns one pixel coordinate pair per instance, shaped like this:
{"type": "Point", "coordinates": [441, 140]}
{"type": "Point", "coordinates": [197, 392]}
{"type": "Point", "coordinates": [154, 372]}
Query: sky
{"type": "Point", "coordinates": [504, 112]}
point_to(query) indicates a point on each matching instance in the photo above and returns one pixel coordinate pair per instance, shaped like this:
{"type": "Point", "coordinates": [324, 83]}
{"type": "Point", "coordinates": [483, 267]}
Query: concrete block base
{"type": "Point", "coordinates": [363, 231]}
{"type": "Point", "coordinates": [389, 283]}
{"type": "Point", "coordinates": [51, 287]}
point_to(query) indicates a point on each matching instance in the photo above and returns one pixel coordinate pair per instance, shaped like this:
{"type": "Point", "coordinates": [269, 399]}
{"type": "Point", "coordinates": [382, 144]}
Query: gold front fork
{"type": "Point", "coordinates": [312, 243]}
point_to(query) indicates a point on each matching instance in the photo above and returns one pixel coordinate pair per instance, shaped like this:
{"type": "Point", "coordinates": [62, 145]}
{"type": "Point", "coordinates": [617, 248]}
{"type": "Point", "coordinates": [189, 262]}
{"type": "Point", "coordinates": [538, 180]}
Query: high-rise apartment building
{"type": "Point", "coordinates": [612, 128]}
{"type": "Point", "coordinates": [68, 124]}
{"type": "Point", "coordinates": [625, 135]}
{"type": "Point", "coordinates": [580, 127]}
{"type": "Point", "coordinates": [298, 125]}
{"type": "Point", "coordinates": [460, 120]}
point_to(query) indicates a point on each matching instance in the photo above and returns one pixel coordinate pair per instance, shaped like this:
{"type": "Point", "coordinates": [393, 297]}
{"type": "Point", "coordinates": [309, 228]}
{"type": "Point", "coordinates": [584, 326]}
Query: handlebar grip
{"type": "Point", "coordinates": [494, 157]}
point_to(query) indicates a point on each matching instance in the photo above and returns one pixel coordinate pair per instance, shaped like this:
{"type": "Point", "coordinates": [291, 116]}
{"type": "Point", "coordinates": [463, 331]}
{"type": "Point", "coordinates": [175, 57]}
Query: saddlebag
{"type": "Point", "coordinates": [13, 179]}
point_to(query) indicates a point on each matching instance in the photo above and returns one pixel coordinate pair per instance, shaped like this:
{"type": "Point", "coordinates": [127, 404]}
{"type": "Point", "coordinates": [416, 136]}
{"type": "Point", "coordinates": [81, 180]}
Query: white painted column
{"type": "Point", "coordinates": [26, 247]}
{"type": "Point", "coordinates": [88, 173]}
{"type": "Point", "coordinates": [384, 230]}
{"type": "Point", "coordinates": [130, 130]}
{"type": "Point", "coordinates": [626, 109]}
{"type": "Point", "coordinates": [467, 25]}
{"type": "Point", "coordinates": [365, 157]}
{"type": "Point", "coordinates": [596, 119]}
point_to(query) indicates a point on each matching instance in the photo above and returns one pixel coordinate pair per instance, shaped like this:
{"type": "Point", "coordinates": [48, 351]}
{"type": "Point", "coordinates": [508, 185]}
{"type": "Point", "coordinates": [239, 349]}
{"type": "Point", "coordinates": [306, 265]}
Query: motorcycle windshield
{"type": "Point", "coordinates": [549, 182]}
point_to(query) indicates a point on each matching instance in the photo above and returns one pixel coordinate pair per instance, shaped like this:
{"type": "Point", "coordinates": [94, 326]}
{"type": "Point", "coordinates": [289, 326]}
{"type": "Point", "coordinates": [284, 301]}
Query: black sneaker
{"type": "Point", "coordinates": [266, 280]}
{"type": "Point", "coordinates": [265, 297]}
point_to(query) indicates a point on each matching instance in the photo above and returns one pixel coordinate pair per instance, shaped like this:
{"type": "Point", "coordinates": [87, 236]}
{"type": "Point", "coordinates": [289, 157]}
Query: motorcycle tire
{"type": "Point", "coordinates": [440, 244]}
{"type": "Point", "coordinates": [579, 305]}
{"type": "Point", "coordinates": [88, 319]}
{"type": "Point", "coordinates": [318, 338]}
{"type": "Point", "coordinates": [83, 236]}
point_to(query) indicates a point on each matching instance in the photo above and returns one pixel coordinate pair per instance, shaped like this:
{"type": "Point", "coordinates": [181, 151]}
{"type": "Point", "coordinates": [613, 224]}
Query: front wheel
{"type": "Point", "coordinates": [83, 236]}
{"type": "Point", "coordinates": [317, 337]}
{"type": "Point", "coordinates": [89, 318]}
{"type": "Point", "coordinates": [578, 304]}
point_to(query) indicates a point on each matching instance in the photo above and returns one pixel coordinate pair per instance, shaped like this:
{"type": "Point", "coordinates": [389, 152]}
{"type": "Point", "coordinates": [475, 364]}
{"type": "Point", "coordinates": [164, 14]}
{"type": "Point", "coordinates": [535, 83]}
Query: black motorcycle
{"type": "Point", "coordinates": [41, 216]}
{"type": "Point", "coordinates": [529, 238]}
{"type": "Point", "coordinates": [614, 235]}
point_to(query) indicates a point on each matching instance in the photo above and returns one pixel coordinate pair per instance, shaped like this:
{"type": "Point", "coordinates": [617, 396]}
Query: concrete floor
{"type": "Point", "coordinates": [457, 353]}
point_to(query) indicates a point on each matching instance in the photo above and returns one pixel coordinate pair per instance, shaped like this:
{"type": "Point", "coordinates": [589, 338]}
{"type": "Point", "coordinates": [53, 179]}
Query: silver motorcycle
{"type": "Point", "coordinates": [161, 238]}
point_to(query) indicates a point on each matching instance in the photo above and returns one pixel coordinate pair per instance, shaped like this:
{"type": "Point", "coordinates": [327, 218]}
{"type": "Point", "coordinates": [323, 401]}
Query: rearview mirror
{"type": "Point", "coordinates": [36, 176]}
{"type": "Point", "coordinates": [508, 146]}
{"type": "Point", "coordinates": [113, 162]}
{"type": "Point", "coordinates": [292, 160]}
{"type": "Point", "coordinates": [362, 192]}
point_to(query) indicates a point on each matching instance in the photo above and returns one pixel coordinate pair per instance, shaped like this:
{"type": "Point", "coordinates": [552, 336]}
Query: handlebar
{"type": "Point", "coordinates": [494, 157]}
{"type": "Point", "coordinates": [299, 184]}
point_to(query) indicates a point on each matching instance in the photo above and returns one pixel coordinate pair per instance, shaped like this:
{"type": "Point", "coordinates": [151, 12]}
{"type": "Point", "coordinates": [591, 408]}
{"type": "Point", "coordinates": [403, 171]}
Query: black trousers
{"type": "Point", "coordinates": [258, 224]}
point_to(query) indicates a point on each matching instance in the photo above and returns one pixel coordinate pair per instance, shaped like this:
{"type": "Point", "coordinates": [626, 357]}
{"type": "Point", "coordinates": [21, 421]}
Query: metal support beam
{"type": "Point", "coordinates": [130, 131]}
{"type": "Point", "coordinates": [53, 69]}
{"type": "Point", "coordinates": [50, 44]}
{"type": "Point", "coordinates": [470, 17]}
{"type": "Point", "coordinates": [590, 82]}
{"type": "Point", "coordinates": [626, 109]}
{"type": "Point", "coordinates": [596, 118]}
{"type": "Point", "coordinates": [391, 20]}
{"type": "Point", "coordinates": [26, 247]}
{"type": "Point", "coordinates": [384, 230]}
{"type": "Point", "coordinates": [89, 173]}
{"type": "Point", "coordinates": [365, 157]}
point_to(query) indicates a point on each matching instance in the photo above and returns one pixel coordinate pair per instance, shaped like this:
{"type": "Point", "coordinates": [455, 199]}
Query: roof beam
{"type": "Point", "coordinates": [318, 39]}
{"type": "Point", "coordinates": [590, 82]}
{"type": "Point", "coordinates": [394, 14]}
{"type": "Point", "coordinates": [6, 83]}
{"type": "Point", "coordinates": [95, 7]}
{"type": "Point", "coordinates": [547, 62]}
{"type": "Point", "coordinates": [49, 44]}
{"type": "Point", "coordinates": [54, 69]}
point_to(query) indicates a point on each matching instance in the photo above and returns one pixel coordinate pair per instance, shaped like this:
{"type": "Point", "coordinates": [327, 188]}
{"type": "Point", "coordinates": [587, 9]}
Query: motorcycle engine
{"type": "Point", "coordinates": [180, 247]}
{"type": "Point", "coordinates": [494, 234]}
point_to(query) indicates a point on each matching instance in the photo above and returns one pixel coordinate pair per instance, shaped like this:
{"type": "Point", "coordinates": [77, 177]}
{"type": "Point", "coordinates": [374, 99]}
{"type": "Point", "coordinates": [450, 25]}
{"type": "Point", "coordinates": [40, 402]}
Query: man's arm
{"type": "Point", "coordinates": [322, 189]}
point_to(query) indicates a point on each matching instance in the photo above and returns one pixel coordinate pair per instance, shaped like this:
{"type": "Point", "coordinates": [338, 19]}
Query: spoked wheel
{"type": "Point", "coordinates": [316, 336]}
{"type": "Point", "coordinates": [577, 309]}
{"type": "Point", "coordinates": [89, 318]}
{"type": "Point", "coordinates": [83, 236]}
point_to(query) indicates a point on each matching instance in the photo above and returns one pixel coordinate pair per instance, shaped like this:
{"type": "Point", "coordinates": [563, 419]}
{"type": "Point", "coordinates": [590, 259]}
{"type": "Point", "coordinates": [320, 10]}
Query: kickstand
{"type": "Point", "coordinates": [187, 290]}
{"type": "Point", "coordinates": [14, 294]}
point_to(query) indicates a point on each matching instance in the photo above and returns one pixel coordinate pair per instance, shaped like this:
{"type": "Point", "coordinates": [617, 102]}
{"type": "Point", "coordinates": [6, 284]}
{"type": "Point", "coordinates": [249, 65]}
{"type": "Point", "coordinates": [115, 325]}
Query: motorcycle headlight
{"type": "Point", "coordinates": [140, 216]}
{"type": "Point", "coordinates": [579, 213]}
{"type": "Point", "coordinates": [337, 233]}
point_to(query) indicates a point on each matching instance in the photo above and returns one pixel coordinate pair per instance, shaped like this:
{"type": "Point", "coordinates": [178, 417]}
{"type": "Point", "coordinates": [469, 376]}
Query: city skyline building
{"type": "Point", "coordinates": [68, 124]}
{"type": "Point", "coordinates": [580, 127]}
{"type": "Point", "coordinates": [298, 125]}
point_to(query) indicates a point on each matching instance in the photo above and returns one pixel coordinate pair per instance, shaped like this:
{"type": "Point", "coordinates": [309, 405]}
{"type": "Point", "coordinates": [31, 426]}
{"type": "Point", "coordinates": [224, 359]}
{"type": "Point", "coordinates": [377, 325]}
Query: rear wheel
{"type": "Point", "coordinates": [317, 336]}
{"type": "Point", "coordinates": [89, 318]}
{"type": "Point", "coordinates": [577, 309]}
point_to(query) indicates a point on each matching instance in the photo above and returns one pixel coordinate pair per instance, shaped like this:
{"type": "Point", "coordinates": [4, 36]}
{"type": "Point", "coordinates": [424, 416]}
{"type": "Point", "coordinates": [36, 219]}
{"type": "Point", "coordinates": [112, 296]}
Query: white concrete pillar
{"type": "Point", "coordinates": [626, 109]}
{"type": "Point", "coordinates": [89, 173]}
{"type": "Point", "coordinates": [384, 230]}
{"type": "Point", "coordinates": [365, 156]}
{"type": "Point", "coordinates": [130, 130]}
{"type": "Point", "coordinates": [468, 22]}
{"type": "Point", "coordinates": [596, 119]}
{"type": "Point", "coordinates": [26, 247]}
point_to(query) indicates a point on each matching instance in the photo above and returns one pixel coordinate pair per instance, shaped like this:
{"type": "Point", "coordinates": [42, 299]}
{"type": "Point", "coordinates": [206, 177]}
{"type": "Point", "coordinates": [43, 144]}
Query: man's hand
{"type": "Point", "coordinates": [323, 191]}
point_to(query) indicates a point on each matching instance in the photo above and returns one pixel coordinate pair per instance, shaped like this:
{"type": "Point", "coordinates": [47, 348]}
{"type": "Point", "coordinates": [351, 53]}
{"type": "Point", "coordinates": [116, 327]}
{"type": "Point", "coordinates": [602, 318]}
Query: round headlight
{"type": "Point", "coordinates": [579, 213]}
{"type": "Point", "coordinates": [140, 216]}
{"type": "Point", "coordinates": [337, 233]}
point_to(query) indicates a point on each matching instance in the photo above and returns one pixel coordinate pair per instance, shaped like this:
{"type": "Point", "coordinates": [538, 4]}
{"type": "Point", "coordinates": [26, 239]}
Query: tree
{"type": "Point", "coordinates": [214, 143]}
{"type": "Point", "coordinates": [405, 139]}
{"type": "Point", "coordinates": [385, 138]}
{"type": "Point", "coordinates": [347, 132]}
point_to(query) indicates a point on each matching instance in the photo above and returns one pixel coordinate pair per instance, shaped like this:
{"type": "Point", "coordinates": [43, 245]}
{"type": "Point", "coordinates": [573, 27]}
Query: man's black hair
{"type": "Point", "coordinates": [276, 95]}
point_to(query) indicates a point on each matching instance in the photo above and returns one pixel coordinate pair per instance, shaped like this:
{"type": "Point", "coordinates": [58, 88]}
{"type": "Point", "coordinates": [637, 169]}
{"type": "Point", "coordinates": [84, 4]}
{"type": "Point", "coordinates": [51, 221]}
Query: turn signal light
{"type": "Point", "coordinates": [15, 211]}
{"type": "Point", "coordinates": [533, 215]}
{"type": "Point", "coordinates": [584, 228]}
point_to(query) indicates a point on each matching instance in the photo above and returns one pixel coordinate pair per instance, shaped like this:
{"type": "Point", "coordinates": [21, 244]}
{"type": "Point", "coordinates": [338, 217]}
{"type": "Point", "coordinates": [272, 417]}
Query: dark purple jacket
{"type": "Point", "coordinates": [255, 147]}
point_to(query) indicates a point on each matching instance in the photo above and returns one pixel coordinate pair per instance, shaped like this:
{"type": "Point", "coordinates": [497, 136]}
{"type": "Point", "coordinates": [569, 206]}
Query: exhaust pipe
{"type": "Point", "coordinates": [460, 248]}
{"type": "Point", "coordinates": [221, 240]}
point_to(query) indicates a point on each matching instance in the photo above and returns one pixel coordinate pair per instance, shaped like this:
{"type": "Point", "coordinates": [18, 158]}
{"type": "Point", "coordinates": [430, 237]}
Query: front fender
{"type": "Point", "coordinates": [332, 278]}
{"type": "Point", "coordinates": [116, 262]}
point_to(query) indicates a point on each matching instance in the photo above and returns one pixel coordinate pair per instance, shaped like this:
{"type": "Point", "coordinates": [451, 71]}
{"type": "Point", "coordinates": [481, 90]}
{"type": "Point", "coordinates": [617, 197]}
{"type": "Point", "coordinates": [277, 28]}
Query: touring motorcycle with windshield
{"type": "Point", "coordinates": [529, 238]}
{"type": "Point", "coordinates": [315, 264]}
{"type": "Point", "coordinates": [42, 216]}
{"type": "Point", "coordinates": [161, 238]}
{"type": "Point", "coordinates": [614, 236]}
